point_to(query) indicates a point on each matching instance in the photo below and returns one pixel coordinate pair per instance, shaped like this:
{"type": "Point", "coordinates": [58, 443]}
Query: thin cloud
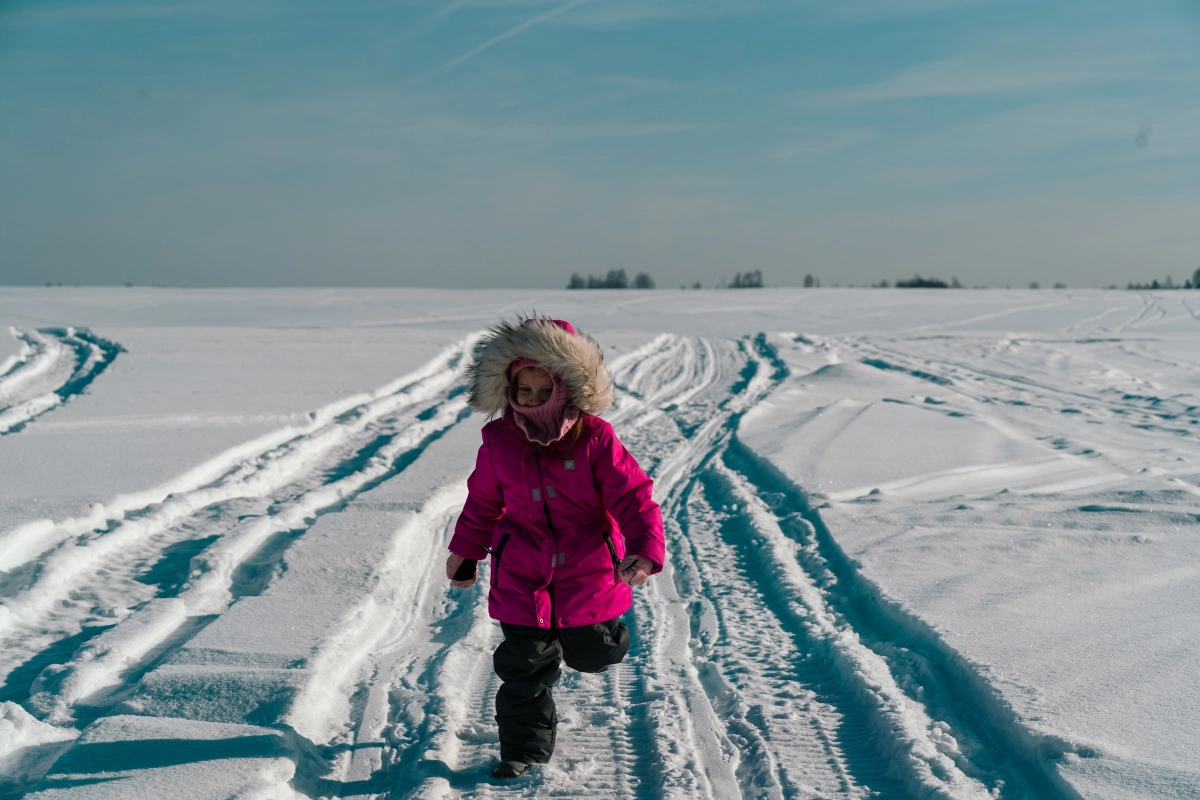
{"type": "Point", "coordinates": [506, 35]}
{"type": "Point", "coordinates": [634, 84]}
{"type": "Point", "coordinates": [890, 9]}
{"type": "Point", "coordinates": [826, 142]}
{"type": "Point", "coordinates": [624, 13]}
{"type": "Point", "coordinates": [443, 128]}
{"type": "Point", "coordinates": [114, 12]}
{"type": "Point", "coordinates": [973, 77]}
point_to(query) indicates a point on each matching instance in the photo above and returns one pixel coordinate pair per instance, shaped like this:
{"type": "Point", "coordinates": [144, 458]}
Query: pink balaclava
{"type": "Point", "coordinates": [549, 422]}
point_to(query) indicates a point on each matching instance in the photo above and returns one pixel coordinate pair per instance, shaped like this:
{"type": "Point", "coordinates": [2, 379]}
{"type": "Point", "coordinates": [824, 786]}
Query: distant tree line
{"type": "Point", "coordinates": [917, 282]}
{"type": "Point", "coordinates": [1194, 283]}
{"type": "Point", "coordinates": [742, 280]}
{"type": "Point", "coordinates": [753, 279]}
{"type": "Point", "coordinates": [615, 279]}
{"type": "Point", "coordinates": [747, 280]}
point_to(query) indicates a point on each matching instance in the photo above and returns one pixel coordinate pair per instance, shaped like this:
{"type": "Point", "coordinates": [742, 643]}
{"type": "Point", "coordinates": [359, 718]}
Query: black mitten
{"type": "Point", "coordinates": [466, 570]}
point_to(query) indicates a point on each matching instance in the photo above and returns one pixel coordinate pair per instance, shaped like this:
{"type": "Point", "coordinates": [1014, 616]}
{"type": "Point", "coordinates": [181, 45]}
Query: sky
{"type": "Point", "coordinates": [509, 143]}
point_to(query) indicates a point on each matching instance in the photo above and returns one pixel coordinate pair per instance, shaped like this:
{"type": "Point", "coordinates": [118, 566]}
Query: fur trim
{"type": "Point", "coordinates": [574, 357]}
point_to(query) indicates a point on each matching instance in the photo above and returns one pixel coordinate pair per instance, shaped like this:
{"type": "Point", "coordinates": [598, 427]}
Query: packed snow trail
{"type": "Point", "coordinates": [52, 366]}
{"type": "Point", "coordinates": [754, 671]}
{"type": "Point", "coordinates": [623, 748]}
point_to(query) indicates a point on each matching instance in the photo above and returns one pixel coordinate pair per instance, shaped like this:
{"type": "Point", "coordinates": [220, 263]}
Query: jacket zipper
{"type": "Point", "coordinates": [537, 459]}
{"type": "Point", "coordinates": [496, 559]}
{"type": "Point", "coordinates": [612, 551]}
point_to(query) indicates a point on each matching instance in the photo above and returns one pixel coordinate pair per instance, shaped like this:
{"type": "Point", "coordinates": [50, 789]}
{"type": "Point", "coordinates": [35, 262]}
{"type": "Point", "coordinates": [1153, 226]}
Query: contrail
{"type": "Point", "coordinates": [508, 34]}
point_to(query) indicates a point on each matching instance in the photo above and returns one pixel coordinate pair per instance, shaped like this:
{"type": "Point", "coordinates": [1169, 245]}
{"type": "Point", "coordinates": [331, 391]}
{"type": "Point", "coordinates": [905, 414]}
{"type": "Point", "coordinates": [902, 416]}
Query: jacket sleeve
{"type": "Point", "coordinates": [627, 493]}
{"type": "Point", "coordinates": [481, 512]}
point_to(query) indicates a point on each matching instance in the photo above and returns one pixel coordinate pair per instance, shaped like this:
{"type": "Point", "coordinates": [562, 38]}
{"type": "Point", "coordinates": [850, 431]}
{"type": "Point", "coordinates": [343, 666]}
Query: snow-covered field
{"type": "Point", "coordinates": [922, 544]}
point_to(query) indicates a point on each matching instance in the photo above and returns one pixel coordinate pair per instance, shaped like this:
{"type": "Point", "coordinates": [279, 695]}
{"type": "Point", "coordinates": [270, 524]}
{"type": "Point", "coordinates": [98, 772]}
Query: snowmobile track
{"type": "Point", "coordinates": [951, 689]}
{"type": "Point", "coordinates": [233, 519]}
{"type": "Point", "coordinates": [610, 748]}
{"type": "Point", "coordinates": [872, 750]}
{"type": "Point", "coordinates": [53, 366]}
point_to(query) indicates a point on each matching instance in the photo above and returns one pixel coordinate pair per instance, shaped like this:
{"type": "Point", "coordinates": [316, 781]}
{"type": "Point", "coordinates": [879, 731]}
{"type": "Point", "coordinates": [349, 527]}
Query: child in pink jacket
{"type": "Point", "coordinates": [566, 514]}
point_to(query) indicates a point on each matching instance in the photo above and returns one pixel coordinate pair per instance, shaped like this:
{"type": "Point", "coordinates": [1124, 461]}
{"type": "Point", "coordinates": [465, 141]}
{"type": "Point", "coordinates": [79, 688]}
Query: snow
{"type": "Point", "coordinates": [174, 758]}
{"type": "Point", "coordinates": [51, 366]}
{"type": "Point", "coordinates": [922, 544]}
{"type": "Point", "coordinates": [27, 746]}
{"type": "Point", "coordinates": [1039, 510]}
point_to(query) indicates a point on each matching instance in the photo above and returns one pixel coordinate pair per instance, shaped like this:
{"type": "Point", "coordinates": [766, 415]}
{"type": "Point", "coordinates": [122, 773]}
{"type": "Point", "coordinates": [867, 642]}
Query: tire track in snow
{"type": "Point", "coordinates": [664, 418]}
{"type": "Point", "coordinates": [666, 733]}
{"type": "Point", "coordinates": [265, 498]}
{"type": "Point", "coordinates": [608, 747]}
{"type": "Point", "coordinates": [887, 742]}
{"type": "Point", "coordinates": [867, 735]}
{"type": "Point", "coordinates": [53, 366]}
{"type": "Point", "coordinates": [250, 470]}
{"type": "Point", "coordinates": [377, 642]}
{"type": "Point", "coordinates": [774, 695]}
{"type": "Point", "coordinates": [442, 724]}
{"type": "Point", "coordinates": [94, 679]}
{"type": "Point", "coordinates": [779, 700]}
{"type": "Point", "coordinates": [444, 728]}
{"type": "Point", "coordinates": [335, 724]}
{"type": "Point", "coordinates": [677, 423]}
{"type": "Point", "coordinates": [1149, 304]}
{"type": "Point", "coordinates": [771, 706]}
{"type": "Point", "coordinates": [985, 385]}
{"type": "Point", "coordinates": [964, 718]}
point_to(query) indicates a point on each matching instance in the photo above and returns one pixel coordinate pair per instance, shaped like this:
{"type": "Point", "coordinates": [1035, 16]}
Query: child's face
{"type": "Point", "coordinates": [534, 387]}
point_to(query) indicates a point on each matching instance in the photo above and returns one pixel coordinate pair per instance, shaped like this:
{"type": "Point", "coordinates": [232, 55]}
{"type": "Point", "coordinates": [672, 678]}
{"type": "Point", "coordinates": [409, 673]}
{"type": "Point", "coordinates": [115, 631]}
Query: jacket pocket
{"type": "Point", "coordinates": [612, 551]}
{"type": "Point", "coordinates": [496, 559]}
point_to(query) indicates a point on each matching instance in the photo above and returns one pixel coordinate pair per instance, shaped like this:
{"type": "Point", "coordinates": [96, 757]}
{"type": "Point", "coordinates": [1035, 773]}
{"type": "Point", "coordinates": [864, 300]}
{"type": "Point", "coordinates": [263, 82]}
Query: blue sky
{"type": "Point", "coordinates": [511, 142]}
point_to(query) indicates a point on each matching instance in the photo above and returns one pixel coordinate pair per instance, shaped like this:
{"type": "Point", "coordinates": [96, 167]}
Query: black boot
{"type": "Point", "coordinates": [510, 769]}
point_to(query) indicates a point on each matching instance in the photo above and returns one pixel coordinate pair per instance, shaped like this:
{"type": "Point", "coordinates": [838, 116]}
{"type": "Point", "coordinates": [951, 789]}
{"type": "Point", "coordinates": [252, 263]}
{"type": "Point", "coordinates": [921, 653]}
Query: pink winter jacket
{"type": "Point", "coordinates": [557, 527]}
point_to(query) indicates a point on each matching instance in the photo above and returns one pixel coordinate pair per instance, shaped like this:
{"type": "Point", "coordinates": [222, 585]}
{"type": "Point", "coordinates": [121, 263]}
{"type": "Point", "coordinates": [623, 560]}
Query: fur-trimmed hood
{"type": "Point", "coordinates": [574, 357]}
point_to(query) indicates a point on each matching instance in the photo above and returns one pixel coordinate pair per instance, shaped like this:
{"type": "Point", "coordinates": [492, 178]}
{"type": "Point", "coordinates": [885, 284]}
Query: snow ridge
{"type": "Point", "coordinates": [52, 366]}
{"type": "Point", "coordinates": [249, 502]}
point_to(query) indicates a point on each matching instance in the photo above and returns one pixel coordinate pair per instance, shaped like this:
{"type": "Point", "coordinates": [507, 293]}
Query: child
{"type": "Point", "coordinates": [566, 514]}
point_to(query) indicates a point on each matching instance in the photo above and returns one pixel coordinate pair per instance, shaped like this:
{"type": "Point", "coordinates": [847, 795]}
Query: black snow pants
{"type": "Point", "coordinates": [527, 661]}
